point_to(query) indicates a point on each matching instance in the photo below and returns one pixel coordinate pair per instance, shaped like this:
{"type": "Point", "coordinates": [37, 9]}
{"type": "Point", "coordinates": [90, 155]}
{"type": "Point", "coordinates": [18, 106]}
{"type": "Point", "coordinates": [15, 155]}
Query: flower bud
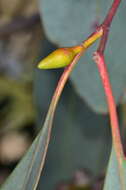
{"type": "Point", "coordinates": [59, 58]}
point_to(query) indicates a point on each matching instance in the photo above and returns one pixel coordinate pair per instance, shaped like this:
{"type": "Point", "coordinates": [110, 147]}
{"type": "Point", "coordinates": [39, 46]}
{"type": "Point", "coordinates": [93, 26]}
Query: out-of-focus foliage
{"type": "Point", "coordinates": [68, 23]}
{"type": "Point", "coordinates": [20, 41]}
{"type": "Point", "coordinates": [82, 180]}
{"type": "Point", "coordinates": [27, 172]}
{"type": "Point", "coordinates": [13, 145]}
{"type": "Point", "coordinates": [16, 8]}
{"type": "Point", "coordinates": [19, 110]}
{"type": "Point", "coordinates": [20, 35]}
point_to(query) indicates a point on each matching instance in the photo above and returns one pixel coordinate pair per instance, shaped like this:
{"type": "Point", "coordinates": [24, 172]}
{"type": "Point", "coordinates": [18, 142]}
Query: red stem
{"type": "Point", "coordinates": [99, 59]}
{"type": "Point", "coordinates": [106, 25]}
{"type": "Point", "coordinates": [111, 12]}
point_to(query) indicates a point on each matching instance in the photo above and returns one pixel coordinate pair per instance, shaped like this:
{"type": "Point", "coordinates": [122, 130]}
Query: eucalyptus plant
{"type": "Point", "coordinates": [30, 167]}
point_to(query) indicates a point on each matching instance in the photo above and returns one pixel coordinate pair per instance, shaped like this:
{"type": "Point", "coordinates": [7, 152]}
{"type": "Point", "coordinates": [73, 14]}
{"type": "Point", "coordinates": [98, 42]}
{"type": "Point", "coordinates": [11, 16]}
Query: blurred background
{"type": "Point", "coordinates": [81, 138]}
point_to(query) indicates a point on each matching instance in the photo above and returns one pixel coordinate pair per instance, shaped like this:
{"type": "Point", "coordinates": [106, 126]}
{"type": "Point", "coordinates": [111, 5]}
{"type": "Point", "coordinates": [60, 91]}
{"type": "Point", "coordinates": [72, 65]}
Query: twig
{"type": "Point", "coordinates": [106, 25]}
{"type": "Point", "coordinates": [99, 59]}
{"type": "Point", "coordinates": [102, 68]}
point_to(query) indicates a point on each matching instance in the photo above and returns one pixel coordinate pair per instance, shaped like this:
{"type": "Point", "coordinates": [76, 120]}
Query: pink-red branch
{"type": "Point", "coordinates": [102, 68]}
{"type": "Point", "coordinates": [106, 25]}
{"type": "Point", "coordinates": [99, 59]}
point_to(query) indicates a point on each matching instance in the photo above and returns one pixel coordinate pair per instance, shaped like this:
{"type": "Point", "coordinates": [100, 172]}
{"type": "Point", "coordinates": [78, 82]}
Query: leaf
{"type": "Point", "coordinates": [27, 172]}
{"type": "Point", "coordinates": [19, 109]}
{"type": "Point", "coordinates": [67, 23]}
{"type": "Point", "coordinates": [113, 179]}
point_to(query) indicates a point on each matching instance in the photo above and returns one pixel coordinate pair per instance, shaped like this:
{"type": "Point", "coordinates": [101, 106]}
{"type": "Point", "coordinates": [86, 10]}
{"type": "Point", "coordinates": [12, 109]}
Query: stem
{"type": "Point", "coordinates": [106, 25]}
{"type": "Point", "coordinates": [116, 138]}
{"type": "Point", "coordinates": [102, 68]}
{"type": "Point", "coordinates": [99, 59]}
{"type": "Point", "coordinates": [111, 12]}
{"type": "Point", "coordinates": [63, 80]}
{"type": "Point", "coordinates": [93, 37]}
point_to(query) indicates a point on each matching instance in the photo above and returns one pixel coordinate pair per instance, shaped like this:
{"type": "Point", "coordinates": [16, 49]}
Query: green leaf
{"type": "Point", "coordinates": [67, 23]}
{"type": "Point", "coordinates": [115, 180]}
{"type": "Point", "coordinates": [26, 174]}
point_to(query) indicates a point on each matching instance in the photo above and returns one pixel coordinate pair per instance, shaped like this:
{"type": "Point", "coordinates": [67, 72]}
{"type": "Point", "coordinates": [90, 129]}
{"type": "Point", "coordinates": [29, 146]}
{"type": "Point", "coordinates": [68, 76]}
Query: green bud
{"type": "Point", "coordinates": [59, 58]}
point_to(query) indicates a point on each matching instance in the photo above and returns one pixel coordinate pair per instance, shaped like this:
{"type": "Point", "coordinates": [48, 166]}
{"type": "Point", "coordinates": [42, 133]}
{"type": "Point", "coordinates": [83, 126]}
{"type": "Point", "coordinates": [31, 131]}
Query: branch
{"type": "Point", "coordinates": [100, 61]}
{"type": "Point", "coordinates": [102, 68]}
{"type": "Point", "coordinates": [106, 25]}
